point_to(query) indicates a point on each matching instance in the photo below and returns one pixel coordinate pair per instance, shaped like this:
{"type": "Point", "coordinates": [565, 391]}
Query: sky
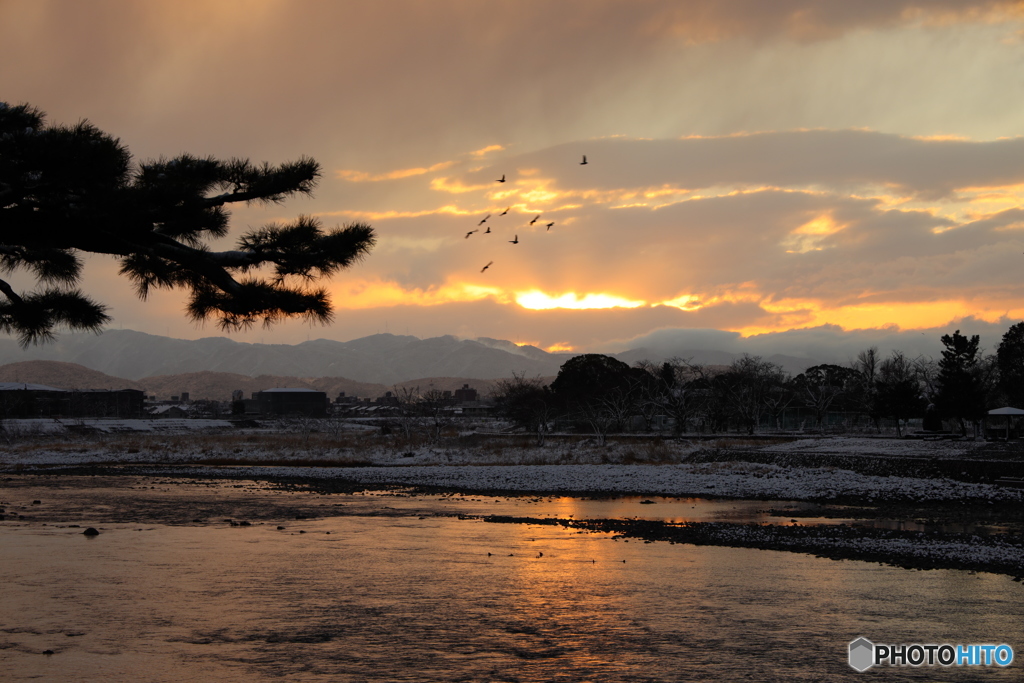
{"type": "Point", "coordinates": [795, 174]}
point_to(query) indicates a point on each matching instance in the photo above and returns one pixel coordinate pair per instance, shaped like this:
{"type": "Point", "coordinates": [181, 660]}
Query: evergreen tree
{"type": "Point", "coordinates": [961, 394]}
{"type": "Point", "coordinates": [68, 190]}
{"type": "Point", "coordinates": [1010, 357]}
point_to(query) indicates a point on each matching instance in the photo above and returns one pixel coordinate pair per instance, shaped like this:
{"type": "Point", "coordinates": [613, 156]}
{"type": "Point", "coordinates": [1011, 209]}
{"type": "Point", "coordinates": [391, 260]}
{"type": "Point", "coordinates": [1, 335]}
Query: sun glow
{"type": "Point", "coordinates": [539, 301]}
{"type": "Point", "coordinates": [374, 294]}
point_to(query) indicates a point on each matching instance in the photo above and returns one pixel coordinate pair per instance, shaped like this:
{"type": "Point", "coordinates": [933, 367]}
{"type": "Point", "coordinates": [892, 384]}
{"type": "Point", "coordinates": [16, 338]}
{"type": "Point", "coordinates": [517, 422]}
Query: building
{"type": "Point", "coordinates": [18, 399]}
{"type": "Point", "coordinates": [466, 395]}
{"type": "Point", "coordinates": [285, 401]}
{"type": "Point", "coordinates": [105, 403]}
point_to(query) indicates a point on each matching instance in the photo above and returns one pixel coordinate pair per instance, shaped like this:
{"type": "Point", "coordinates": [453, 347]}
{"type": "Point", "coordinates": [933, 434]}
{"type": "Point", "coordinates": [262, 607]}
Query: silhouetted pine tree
{"type": "Point", "coordinates": [961, 394]}
{"type": "Point", "coordinates": [65, 190]}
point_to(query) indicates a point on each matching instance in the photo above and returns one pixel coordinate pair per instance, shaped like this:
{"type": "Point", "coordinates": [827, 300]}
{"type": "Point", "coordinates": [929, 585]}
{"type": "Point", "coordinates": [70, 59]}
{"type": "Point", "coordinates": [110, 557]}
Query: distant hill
{"type": "Point", "coordinates": [62, 376]}
{"type": "Point", "coordinates": [214, 385]}
{"type": "Point", "coordinates": [380, 359]}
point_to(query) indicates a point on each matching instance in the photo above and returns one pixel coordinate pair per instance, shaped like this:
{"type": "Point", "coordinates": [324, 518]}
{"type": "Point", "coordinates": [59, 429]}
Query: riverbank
{"type": "Point", "coordinates": [903, 500]}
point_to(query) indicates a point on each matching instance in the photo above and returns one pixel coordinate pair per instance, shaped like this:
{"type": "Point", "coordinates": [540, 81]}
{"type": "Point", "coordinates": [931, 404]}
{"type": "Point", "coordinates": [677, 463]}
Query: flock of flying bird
{"type": "Point", "coordinates": [515, 240]}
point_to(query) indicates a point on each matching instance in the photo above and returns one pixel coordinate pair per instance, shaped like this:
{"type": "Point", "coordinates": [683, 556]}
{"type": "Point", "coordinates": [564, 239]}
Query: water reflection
{"type": "Point", "coordinates": [672, 510]}
{"type": "Point", "coordinates": [439, 599]}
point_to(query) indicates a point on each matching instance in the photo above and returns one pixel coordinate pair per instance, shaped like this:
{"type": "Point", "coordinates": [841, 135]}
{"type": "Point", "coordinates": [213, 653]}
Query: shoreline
{"type": "Point", "coordinates": [936, 486]}
{"type": "Point", "coordinates": [999, 553]}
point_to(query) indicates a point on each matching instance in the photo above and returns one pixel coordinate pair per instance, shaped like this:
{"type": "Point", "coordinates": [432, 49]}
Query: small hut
{"type": "Point", "coordinates": [1009, 413]}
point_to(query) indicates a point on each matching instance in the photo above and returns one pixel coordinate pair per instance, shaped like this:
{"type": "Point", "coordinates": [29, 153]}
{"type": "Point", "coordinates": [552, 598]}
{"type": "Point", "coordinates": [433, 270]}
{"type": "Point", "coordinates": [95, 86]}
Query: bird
{"type": "Point", "coordinates": [534, 219]}
{"type": "Point", "coordinates": [504, 212]}
{"type": "Point", "coordinates": [488, 230]}
{"type": "Point", "coordinates": [515, 241]}
{"type": "Point", "coordinates": [550, 224]}
{"type": "Point", "coordinates": [484, 219]}
{"type": "Point", "coordinates": [584, 162]}
{"type": "Point", "coordinates": [501, 179]}
{"type": "Point", "coordinates": [470, 233]}
{"type": "Point", "coordinates": [487, 266]}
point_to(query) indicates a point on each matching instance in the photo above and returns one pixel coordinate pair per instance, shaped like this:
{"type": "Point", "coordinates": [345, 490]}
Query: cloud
{"type": "Point", "coordinates": [649, 170]}
{"type": "Point", "coordinates": [822, 344]}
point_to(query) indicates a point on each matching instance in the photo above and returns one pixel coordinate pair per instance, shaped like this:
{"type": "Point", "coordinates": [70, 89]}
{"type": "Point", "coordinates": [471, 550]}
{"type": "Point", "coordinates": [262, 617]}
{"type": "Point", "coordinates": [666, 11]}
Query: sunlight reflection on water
{"type": "Point", "coordinates": [408, 599]}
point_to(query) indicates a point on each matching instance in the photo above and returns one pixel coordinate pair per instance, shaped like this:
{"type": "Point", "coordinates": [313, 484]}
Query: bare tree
{"type": "Point", "coordinates": [527, 403]}
{"type": "Point", "coordinates": [678, 390]}
{"type": "Point", "coordinates": [438, 410]}
{"type": "Point", "coordinates": [749, 382]}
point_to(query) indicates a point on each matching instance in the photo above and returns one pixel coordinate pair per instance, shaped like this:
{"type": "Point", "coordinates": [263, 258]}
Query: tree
{"type": "Point", "coordinates": [438, 407]}
{"type": "Point", "coordinates": [961, 394]}
{"type": "Point", "coordinates": [865, 393]}
{"type": "Point", "coordinates": [749, 384]}
{"type": "Point", "coordinates": [524, 402]}
{"type": "Point", "coordinates": [821, 386]}
{"type": "Point", "coordinates": [69, 190]}
{"type": "Point", "coordinates": [599, 390]}
{"type": "Point", "coordinates": [675, 389]}
{"type": "Point", "coordinates": [1010, 357]}
{"type": "Point", "coordinates": [898, 390]}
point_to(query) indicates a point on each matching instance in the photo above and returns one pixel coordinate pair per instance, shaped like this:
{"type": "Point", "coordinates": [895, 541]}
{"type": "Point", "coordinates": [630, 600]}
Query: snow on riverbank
{"type": "Point", "coordinates": [854, 445]}
{"type": "Point", "coordinates": [652, 467]}
{"type": "Point", "coordinates": [732, 480]}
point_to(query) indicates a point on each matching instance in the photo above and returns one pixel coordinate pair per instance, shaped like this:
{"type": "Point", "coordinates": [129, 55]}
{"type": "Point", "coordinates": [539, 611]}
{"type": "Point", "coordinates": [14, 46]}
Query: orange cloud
{"type": "Point", "coordinates": [811, 235]}
{"type": "Point", "coordinates": [448, 209]}
{"type": "Point", "coordinates": [380, 294]}
{"type": "Point", "coordinates": [364, 177]}
{"type": "Point", "coordinates": [560, 347]}
{"type": "Point", "coordinates": [455, 186]}
{"type": "Point", "coordinates": [907, 315]}
{"type": "Point", "coordinates": [486, 150]}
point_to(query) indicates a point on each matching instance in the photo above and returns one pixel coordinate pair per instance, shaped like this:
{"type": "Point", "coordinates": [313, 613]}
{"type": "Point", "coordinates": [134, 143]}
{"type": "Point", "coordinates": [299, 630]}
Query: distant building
{"type": "Point", "coordinates": [285, 401]}
{"type": "Point", "coordinates": [106, 403]}
{"type": "Point", "coordinates": [388, 399]}
{"type": "Point", "coordinates": [344, 400]}
{"type": "Point", "coordinates": [466, 395]}
{"type": "Point", "coordinates": [18, 399]}
{"type": "Point", "coordinates": [175, 411]}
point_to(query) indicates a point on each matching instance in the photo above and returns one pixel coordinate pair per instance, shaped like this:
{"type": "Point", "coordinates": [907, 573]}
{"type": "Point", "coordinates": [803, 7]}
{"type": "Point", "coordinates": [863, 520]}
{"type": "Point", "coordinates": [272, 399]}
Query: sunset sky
{"type": "Point", "coordinates": [754, 167]}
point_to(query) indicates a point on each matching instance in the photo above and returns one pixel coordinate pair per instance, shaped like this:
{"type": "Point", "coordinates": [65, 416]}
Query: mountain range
{"type": "Point", "coordinates": [382, 359]}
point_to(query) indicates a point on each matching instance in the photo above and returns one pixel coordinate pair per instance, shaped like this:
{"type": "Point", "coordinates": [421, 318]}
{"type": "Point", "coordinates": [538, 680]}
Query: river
{"type": "Point", "coordinates": [385, 588]}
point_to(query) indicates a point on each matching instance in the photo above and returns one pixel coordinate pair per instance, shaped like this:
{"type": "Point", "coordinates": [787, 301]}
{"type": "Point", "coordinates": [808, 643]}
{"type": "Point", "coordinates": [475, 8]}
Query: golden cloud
{"type": "Point", "coordinates": [365, 294]}
{"type": "Point", "coordinates": [811, 235]}
{"type": "Point", "coordinates": [364, 177]}
{"type": "Point", "coordinates": [486, 150]}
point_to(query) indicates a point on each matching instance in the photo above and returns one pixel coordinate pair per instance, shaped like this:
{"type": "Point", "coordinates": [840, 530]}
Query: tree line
{"type": "Point", "coordinates": [602, 395]}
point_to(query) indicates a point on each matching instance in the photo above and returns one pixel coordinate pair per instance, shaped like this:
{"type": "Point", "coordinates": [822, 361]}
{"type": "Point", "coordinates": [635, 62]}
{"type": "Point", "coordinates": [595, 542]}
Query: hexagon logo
{"type": "Point", "coordinates": [862, 654]}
